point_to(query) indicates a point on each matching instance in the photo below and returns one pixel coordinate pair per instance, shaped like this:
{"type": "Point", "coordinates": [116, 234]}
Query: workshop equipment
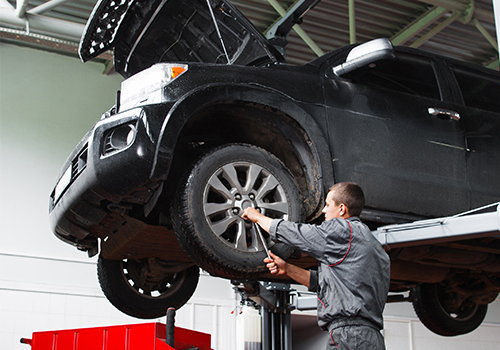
{"type": "Point", "coordinates": [259, 232]}
{"type": "Point", "coordinates": [145, 336]}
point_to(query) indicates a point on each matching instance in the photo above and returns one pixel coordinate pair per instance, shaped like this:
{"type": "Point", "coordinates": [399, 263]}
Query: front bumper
{"type": "Point", "coordinates": [109, 170]}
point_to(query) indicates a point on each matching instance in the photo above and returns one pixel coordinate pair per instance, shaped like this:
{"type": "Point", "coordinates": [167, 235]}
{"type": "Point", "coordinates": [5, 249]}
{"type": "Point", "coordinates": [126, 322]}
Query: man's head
{"type": "Point", "coordinates": [345, 199]}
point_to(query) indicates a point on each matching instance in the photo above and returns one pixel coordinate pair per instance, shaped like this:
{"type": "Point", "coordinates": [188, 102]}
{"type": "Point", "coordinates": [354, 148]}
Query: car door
{"type": "Point", "coordinates": [390, 131]}
{"type": "Point", "coordinates": [480, 89]}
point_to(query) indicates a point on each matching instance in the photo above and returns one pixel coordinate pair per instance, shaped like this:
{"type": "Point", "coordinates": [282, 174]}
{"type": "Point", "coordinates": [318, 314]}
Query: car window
{"type": "Point", "coordinates": [479, 89]}
{"type": "Point", "coordinates": [409, 75]}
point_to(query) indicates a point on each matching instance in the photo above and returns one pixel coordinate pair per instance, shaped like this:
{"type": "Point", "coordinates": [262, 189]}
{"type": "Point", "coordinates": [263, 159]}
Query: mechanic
{"type": "Point", "coordinates": [352, 280]}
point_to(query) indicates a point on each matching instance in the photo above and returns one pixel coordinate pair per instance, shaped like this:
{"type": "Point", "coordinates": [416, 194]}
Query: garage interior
{"type": "Point", "coordinates": [461, 29]}
{"type": "Point", "coordinates": [48, 100]}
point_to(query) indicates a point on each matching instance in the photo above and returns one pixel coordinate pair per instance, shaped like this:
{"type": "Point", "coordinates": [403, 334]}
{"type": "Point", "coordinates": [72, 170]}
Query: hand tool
{"type": "Point", "coordinates": [262, 239]}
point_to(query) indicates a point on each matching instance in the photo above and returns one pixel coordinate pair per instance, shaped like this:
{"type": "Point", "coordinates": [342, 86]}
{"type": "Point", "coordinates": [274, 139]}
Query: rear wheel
{"type": "Point", "coordinates": [438, 310]}
{"type": "Point", "coordinates": [144, 288]}
{"type": "Point", "coordinates": [207, 212]}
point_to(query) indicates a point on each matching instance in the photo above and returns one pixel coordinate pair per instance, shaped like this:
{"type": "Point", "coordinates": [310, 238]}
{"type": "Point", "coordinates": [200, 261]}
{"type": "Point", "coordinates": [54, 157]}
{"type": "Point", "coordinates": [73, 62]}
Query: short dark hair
{"type": "Point", "coordinates": [351, 195]}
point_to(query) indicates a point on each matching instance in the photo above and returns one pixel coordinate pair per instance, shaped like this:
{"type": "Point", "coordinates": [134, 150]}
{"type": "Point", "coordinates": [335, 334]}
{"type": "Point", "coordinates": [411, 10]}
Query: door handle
{"type": "Point", "coordinates": [440, 112]}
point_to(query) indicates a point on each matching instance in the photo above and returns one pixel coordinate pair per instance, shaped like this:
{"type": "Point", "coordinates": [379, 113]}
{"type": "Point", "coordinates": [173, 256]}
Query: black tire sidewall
{"type": "Point", "coordinates": [432, 314]}
{"type": "Point", "coordinates": [207, 250]}
{"type": "Point", "coordinates": [121, 294]}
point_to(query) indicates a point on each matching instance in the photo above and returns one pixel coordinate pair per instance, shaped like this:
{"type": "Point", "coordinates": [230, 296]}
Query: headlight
{"type": "Point", "coordinates": [146, 87]}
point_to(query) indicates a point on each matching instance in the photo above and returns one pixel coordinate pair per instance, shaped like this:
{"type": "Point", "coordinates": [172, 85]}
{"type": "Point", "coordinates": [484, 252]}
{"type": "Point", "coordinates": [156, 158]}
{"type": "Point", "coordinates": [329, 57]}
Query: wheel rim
{"type": "Point", "coordinates": [464, 312]}
{"type": "Point", "coordinates": [235, 187]}
{"type": "Point", "coordinates": [148, 285]}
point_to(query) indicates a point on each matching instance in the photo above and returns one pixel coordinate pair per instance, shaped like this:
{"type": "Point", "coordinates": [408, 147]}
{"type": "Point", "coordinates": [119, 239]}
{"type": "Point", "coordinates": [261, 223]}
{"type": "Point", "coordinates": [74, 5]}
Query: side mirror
{"type": "Point", "coordinates": [365, 54]}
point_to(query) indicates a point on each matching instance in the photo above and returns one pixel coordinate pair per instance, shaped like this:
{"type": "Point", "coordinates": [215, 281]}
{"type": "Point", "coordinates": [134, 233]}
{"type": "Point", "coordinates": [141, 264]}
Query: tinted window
{"type": "Point", "coordinates": [479, 89]}
{"type": "Point", "coordinates": [404, 74]}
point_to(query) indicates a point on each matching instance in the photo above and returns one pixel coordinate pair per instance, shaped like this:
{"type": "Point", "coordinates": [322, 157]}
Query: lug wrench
{"type": "Point", "coordinates": [262, 239]}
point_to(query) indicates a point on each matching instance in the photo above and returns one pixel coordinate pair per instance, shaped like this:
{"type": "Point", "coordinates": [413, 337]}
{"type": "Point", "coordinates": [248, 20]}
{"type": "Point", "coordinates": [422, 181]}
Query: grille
{"type": "Point", "coordinates": [108, 146]}
{"type": "Point", "coordinates": [79, 163]}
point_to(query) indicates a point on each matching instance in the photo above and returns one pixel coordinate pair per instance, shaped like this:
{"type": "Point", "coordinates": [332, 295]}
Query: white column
{"type": "Point", "coordinates": [496, 12]}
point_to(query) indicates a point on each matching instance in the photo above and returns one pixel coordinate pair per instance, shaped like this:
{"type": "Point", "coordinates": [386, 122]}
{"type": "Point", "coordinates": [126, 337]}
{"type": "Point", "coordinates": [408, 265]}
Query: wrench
{"type": "Point", "coordinates": [262, 239]}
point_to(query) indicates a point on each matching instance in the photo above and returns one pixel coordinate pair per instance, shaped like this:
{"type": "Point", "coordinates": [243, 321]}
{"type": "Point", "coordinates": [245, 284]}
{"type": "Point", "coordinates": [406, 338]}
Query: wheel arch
{"type": "Point", "coordinates": [214, 115]}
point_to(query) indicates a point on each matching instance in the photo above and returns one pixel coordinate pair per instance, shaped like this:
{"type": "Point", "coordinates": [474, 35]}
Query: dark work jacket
{"type": "Point", "coordinates": [353, 274]}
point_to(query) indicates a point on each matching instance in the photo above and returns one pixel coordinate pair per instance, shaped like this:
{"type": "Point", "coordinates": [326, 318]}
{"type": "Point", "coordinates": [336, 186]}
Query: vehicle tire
{"type": "Point", "coordinates": [128, 286]}
{"type": "Point", "coordinates": [206, 212]}
{"type": "Point", "coordinates": [431, 307]}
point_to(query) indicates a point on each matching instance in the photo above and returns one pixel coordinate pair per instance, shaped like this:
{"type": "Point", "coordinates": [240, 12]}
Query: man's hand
{"type": "Point", "coordinates": [276, 265]}
{"type": "Point", "coordinates": [253, 215]}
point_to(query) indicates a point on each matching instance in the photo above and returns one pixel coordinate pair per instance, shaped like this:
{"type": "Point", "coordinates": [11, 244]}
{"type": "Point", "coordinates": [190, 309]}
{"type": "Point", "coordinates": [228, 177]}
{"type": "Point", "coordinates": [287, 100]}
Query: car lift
{"type": "Point", "coordinates": [453, 228]}
{"type": "Point", "coordinates": [276, 300]}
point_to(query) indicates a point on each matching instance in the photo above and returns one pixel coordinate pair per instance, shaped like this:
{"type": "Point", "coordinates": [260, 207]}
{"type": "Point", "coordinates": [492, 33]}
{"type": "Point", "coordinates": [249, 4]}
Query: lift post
{"type": "Point", "coordinates": [275, 311]}
{"type": "Point", "coordinates": [276, 302]}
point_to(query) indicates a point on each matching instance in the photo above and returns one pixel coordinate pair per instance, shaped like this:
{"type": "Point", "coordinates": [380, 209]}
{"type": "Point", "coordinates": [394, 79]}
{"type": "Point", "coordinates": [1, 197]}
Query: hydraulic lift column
{"type": "Point", "coordinates": [275, 310]}
{"type": "Point", "coordinates": [276, 301]}
{"type": "Point", "coordinates": [277, 320]}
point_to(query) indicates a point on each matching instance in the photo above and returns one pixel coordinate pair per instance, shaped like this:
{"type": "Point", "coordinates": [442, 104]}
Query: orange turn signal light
{"type": "Point", "coordinates": [176, 71]}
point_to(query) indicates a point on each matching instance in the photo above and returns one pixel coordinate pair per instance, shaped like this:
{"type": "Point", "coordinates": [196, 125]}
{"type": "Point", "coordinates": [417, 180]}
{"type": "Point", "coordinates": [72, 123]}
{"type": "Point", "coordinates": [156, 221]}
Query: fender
{"type": "Point", "coordinates": [208, 94]}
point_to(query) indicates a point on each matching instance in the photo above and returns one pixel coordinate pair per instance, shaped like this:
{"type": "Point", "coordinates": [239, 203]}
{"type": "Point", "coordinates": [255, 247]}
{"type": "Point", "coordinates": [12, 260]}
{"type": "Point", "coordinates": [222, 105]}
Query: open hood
{"type": "Point", "coordinates": [145, 32]}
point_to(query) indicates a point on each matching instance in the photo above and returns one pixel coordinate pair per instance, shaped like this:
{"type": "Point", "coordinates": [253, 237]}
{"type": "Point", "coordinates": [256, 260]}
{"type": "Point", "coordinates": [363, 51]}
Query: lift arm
{"type": "Point", "coordinates": [459, 227]}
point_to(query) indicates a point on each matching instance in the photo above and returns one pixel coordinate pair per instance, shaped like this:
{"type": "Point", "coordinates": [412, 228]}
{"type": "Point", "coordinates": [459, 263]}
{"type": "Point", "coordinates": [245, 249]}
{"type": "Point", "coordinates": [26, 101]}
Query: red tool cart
{"type": "Point", "coordinates": [146, 336]}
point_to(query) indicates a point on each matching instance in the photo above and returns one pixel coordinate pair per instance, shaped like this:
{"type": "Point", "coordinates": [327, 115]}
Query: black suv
{"type": "Point", "coordinates": [211, 120]}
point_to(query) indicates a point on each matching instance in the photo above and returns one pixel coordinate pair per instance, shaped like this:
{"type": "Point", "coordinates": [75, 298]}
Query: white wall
{"type": "Point", "coordinates": [39, 294]}
{"type": "Point", "coordinates": [47, 103]}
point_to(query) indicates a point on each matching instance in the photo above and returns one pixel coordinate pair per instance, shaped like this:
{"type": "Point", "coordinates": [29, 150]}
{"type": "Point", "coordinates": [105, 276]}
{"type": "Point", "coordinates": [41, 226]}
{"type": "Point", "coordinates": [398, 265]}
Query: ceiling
{"type": "Point", "coordinates": [462, 29]}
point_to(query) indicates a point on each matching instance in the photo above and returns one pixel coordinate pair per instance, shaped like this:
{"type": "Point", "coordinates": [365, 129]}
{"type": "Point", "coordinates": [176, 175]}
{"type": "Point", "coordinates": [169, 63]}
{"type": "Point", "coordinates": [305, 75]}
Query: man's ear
{"type": "Point", "coordinates": [344, 211]}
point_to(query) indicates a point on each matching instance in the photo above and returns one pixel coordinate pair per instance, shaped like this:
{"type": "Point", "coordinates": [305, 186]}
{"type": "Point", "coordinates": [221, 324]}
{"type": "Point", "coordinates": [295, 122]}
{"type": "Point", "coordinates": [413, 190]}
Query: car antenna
{"type": "Point", "coordinates": [217, 29]}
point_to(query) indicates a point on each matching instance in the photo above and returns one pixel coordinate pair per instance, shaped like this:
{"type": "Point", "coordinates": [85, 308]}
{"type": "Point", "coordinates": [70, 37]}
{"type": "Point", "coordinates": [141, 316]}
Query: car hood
{"type": "Point", "coordinates": [145, 32]}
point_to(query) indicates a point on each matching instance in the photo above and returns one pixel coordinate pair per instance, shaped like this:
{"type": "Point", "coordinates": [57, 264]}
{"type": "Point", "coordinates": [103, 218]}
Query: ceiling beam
{"type": "Point", "coordinates": [485, 33]}
{"type": "Point", "coordinates": [37, 40]}
{"type": "Point", "coordinates": [418, 25]}
{"type": "Point", "coordinates": [47, 6]}
{"type": "Point", "coordinates": [302, 34]}
{"type": "Point", "coordinates": [469, 14]}
{"type": "Point", "coordinates": [41, 24]}
{"type": "Point", "coordinates": [434, 31]}
{"type": "Point", "coordinates": [449, 4]}
{"type": "Point", "coordinates": [21, 6]}
{"type": "Point", "coordinates": [352, 22]}
{"type": "Point", "coordinates": [463, 7]}
{"type": "Point", "coordinates": [495, 64]}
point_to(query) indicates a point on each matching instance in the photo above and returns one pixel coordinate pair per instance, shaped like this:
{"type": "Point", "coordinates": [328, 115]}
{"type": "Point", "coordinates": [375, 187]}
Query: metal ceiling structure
{"type": "Point", "coordinates": [461, 29]}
